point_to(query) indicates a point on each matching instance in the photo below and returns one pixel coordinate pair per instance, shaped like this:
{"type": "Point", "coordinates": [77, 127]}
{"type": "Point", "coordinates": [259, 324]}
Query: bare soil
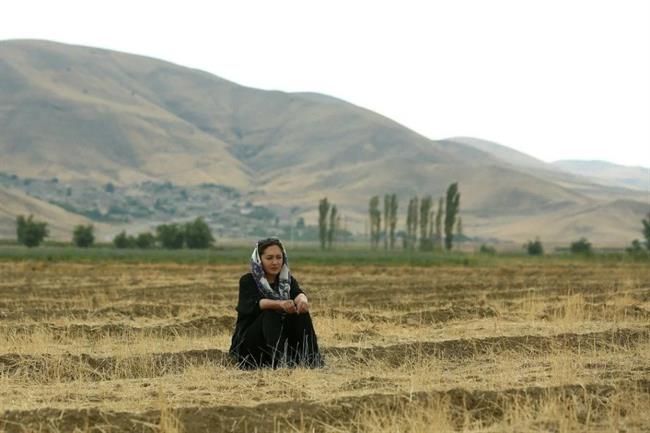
{"type": "Point", "coordinates": [125, 347]}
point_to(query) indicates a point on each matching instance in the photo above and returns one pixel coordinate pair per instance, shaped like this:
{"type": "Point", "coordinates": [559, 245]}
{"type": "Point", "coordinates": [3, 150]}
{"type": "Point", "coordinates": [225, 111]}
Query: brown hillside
{"type": "Point", "coordinates": [97, 115]}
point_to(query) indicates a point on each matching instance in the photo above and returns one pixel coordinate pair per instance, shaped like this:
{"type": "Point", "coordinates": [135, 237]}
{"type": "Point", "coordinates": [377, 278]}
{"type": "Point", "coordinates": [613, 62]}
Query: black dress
{"type": "Point", "coordinates": [269, 337]}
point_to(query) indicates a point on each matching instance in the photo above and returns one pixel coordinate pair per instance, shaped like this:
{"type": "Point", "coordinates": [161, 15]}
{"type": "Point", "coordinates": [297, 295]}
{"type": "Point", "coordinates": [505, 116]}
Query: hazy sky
{"type": "Point", "coordinates": [565, 79]}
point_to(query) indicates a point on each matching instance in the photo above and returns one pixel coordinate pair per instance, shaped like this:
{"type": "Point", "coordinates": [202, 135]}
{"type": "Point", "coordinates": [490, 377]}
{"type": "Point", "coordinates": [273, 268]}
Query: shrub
{"type": "Point", "coordinates": [121, 240]}
{"type": "Point", "coordinates": [83, 236]}
{"type": "Point", "coordinates": [636, 248]}
{"type": "Point", "coordinates": [29, 232]}
{"type": "Point", "coordinates": [646, 230]}
{"type": "Point", "coordinates": [534, 248]}
{"type": "Point", "coordinates": [145, 240]}
{"type": "Point", "coordinates": [198, 234]}
{"type": "Point", "coordinates": [581, 246]}
{"type": "Point", "coordinates": [171, 236]}
{"type": "Point", "coordinates": [487, 249]}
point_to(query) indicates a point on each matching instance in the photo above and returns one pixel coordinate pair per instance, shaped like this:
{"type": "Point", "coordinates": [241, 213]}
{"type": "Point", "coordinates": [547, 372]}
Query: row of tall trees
{"type": "Point", "coordinates": [329, 222]}
{"type": "Point", "coordinates": [420, 217]}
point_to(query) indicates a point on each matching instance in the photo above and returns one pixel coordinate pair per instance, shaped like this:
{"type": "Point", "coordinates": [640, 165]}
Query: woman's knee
{"type": "Point", "coordinates": [272, 326]}
{"type": "Point", "coordinates": [271, 319]}
{"type": "Point", "coordinates": [300, 321]}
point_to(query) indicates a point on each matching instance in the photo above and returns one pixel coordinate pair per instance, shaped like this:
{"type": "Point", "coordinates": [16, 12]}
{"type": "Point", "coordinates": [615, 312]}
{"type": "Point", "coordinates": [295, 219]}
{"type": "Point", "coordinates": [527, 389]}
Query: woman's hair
{"type": "Point", "coordinates": [263, 244]}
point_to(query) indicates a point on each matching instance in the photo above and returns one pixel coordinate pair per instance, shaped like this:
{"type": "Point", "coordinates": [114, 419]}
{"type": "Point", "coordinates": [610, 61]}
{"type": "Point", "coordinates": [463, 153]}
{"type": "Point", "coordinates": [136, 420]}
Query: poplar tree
{"type": "Point", "coordinates": [387, 204]}
{"type": "Point", "coordinates": [377, 226]}
{"type": "Point", "coordinates": [331, 233]}
{"type": "Point", "coordinates": [412, 222]}
{"type": "Point", "coordinates": [393, 219]}
{"type": "Point", "coordinates": [425, 208]}
{"type": "Point", "coordinates": [409, 223]}
{"type": "Point", "coordinates": [432, 217]}
{"type": "Point", "coordinates": [451, 208]}
{"type": "Point", "coordinates": [323, 208]}
{"type": "Point", "coordinates": [337, 227]}
{"type": "Point", "coordinates": [646, 230]}
{"type": "Point", "coordinates": [375, 221]}
{"type": "Point", "coordinates": [416, 218]}
{"type": "Point", "coordinates": [438, 240]}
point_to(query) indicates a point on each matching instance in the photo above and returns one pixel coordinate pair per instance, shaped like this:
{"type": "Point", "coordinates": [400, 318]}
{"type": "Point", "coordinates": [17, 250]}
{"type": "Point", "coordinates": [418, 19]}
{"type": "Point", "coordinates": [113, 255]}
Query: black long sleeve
{"type": "Point", "coordinates": [249, 296]}
{"type": "Point", "coordinates": [295, 288]}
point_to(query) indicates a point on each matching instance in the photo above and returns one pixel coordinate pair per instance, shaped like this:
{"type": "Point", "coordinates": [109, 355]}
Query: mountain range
{"type": "Point", "coordinates": [98, 116]}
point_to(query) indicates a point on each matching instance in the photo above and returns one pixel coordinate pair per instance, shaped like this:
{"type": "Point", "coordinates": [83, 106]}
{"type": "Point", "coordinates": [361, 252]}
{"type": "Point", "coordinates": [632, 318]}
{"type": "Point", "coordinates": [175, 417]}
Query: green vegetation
{"type": "Point", "coordinates": [581, 246]}
{"type": "Point", "coordinates": [375, 221]}
{"type": "Point", "coordinates": [121, 240]}
{"type": "Point", "coordinates": [387, 199]}
{"type": "Point", "coordinates": [411, 223]}
{"type": "Point", "coordinates": [323, 209]}
{"type": "Point", "coordinates": [636, 249]}
{"type": "Point", "coordinates": [198, 234]}
{"type": "Point", "coordinates": [534, 248]}
{"type": "Point", "coordinates": [145, 240]}
{"type": "Point", "coordinates": [171, 236]}
{"type": "Point", "coordinates": [390, 220]}
{"type": "Point", "coordinates": [30, 232]}
{"type": "Point", "coordinates": [83, 236]}
{"type": "Point", "coordinates": [451, 210]}
{"type": "Point", "coordinates": [335, 221]}
{"type": "Point", "coordinates": [487, 249]}
{"type": "Point", "coordinates": [426, 224]}
{"type": "Point", "coordinates": [301, 254]}
{"type": "Point", "coordinates": [194, 235]}
{"type": "Point", "coordinates": [438, 236]}
{"type": "Point", "coordinates": [327, 232]}
{"type": "Point", "coordinates": [420, 214]}
{"type": "Point", "coordinates": [392, 216]}
{"type": "Point", "coordinates": [646, 230]}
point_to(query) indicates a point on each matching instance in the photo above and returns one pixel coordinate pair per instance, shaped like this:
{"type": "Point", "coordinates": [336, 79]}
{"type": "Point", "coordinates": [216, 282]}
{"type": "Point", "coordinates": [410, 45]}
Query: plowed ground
{"type": "Point", "coordinates": [143, 348]}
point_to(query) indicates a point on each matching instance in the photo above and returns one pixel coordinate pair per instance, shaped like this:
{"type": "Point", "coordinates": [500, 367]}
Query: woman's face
{"type": "Point", "coordinates": [272, 260]}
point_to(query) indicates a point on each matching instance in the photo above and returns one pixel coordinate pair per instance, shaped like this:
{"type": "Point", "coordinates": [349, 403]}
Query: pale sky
{"type": "Point", "coordinates": [565, 79]}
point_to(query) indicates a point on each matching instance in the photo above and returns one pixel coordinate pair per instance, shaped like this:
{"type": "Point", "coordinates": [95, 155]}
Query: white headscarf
{"type": "Point", "coordinates": [284, 278]}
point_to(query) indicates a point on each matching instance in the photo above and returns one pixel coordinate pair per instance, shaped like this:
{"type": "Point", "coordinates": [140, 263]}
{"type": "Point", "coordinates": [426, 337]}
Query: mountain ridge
{"type": "Point", "coordinates": [81, 113]}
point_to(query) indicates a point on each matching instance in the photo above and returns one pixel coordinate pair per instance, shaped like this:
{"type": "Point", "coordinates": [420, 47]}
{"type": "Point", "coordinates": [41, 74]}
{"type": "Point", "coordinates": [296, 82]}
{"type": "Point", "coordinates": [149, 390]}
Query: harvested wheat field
{"type": "Point", "coordinates": [530, 346]}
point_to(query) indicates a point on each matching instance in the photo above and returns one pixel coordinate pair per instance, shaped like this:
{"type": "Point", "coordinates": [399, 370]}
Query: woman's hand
{"type": "Point", "coordinates": [302, 305]}
{"type": "Point", "coordinates": [289, 306]}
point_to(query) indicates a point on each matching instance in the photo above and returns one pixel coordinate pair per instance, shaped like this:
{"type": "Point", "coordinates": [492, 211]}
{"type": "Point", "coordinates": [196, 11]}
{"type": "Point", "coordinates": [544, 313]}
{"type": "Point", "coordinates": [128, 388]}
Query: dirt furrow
{"type": "Point", "coordinates": [130, 311]}
{"type": "Point", "coordinates": [421, 317]}
{"type": "Point", "coordinates": [203, 326]}
{"type": "Point", "coordinates": [86, 367]}
{"type": "Point", "coordinates": [467, 348]}
{"type": "Point", "coordinates": [591, 404]}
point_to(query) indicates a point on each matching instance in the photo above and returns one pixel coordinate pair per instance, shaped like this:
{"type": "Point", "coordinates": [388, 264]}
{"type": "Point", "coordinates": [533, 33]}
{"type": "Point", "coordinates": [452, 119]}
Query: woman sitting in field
{"type": "Point", "coordinates": [273, 326]}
